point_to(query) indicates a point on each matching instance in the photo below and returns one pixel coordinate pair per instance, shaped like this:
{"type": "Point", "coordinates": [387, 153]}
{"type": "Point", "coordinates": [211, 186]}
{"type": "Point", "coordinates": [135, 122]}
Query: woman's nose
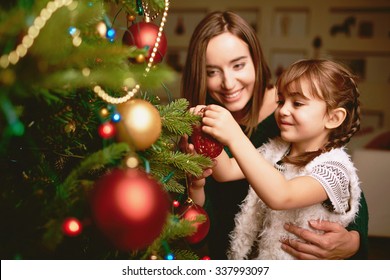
{"type": "Point", "coordinates": [228, 81]}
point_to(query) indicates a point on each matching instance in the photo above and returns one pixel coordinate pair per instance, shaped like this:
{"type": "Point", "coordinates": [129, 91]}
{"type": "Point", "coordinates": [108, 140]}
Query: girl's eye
{"type": "Point", "coordinates": [298, 104]}
{"type": "Point", "coordinates": [280, 102]}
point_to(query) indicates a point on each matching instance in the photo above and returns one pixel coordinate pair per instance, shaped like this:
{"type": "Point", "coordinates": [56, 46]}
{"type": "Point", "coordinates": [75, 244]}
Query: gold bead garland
{"type": "Point", "coordinates": [118, 100]}
{"type": "Point", "coordinates": [28, 40]}
{"type": "Point", "coordinates": [32, 33]}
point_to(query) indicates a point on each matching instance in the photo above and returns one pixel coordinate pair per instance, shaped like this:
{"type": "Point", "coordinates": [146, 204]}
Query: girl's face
{"type": "Point", "coordinates": [302, 119]}
{"type": "Point", "coordinates": [230, 71]}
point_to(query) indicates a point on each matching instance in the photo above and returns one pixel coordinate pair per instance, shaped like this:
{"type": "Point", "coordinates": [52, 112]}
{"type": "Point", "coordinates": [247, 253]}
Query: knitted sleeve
{"type": "Point", "coordinates": [333, 176]}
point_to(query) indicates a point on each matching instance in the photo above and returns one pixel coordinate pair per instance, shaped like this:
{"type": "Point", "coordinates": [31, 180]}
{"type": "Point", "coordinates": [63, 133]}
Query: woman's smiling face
{"type": "Point", "coordinates": [230, 71]}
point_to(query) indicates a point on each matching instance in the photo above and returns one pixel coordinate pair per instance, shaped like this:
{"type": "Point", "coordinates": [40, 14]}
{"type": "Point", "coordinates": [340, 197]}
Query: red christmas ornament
{"type": "Point", "coordinates": [130, 208]}
{"type": "Point", "coordinates": [205, 144]}
{"type": "Point", "coordinates": [106, 130]}
{"type": "Point", "coordinates": [144, 34]}
{"type": "Point", "coordinates": [176, 203]}
{"type": "Point", "coordinates": [72, 226]}
{"type": "Point", "coordinates": [190, 212]}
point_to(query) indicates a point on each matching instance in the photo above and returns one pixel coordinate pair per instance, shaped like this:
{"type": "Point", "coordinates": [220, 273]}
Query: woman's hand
{"type": "Point", "coordinates": [335, 243]}
{"type": "Point", "coordinates": [195, 184]}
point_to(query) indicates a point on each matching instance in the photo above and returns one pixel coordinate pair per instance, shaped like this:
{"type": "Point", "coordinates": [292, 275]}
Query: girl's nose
{"type": "Point", "coordinates": [284, 109]}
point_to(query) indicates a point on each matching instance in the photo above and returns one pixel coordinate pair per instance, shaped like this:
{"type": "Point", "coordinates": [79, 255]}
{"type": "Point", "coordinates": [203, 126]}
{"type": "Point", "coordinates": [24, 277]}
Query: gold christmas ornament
{"type": "Point", "coordinates": [104, 112]}
{"type": "Point", "coordinates": [140, 124]}
{"type": "Point", "coordinates": [131, 18]}
{"type": "Point", "coordinates": [140, 58]}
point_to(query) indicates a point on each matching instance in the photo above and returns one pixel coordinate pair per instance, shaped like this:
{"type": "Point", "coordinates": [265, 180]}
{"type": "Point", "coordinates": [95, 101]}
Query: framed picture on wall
{"type": "Point", "coordinates": [362, 23]}
{"type": "Point", "coordinates": [176, 58]}
{"type": "Point", "coordinates": [357, 65]}
{"type": "Point", "coordinates": [291, 22]}
{"type": "Point", "coordinates": [281, 59]}
{"type": "Point", "coordinates": [182, 22]}
{"type": "Point", "coordinates": [251, 15]}
{"type": "Point", "coordinates": [368, 66]}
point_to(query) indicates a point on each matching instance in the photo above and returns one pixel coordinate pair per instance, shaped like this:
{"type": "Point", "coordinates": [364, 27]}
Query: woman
{"type": "Point", "coordinates": [225, 65]}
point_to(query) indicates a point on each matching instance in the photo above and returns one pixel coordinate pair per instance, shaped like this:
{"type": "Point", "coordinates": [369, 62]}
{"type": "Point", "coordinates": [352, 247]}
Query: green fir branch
{"type": "Point", "coordinates": [169, 177]}
{"type": "Point", "coordinates": [181, 254]}
{"type": "Point", "coordinates": [176, 117]}
{"type": "Point", "coordinates": [193, 164]}
{"type": "Point", "coordinates": [97, 160]}
{"type": "Point", "coordinates": [175, 228]}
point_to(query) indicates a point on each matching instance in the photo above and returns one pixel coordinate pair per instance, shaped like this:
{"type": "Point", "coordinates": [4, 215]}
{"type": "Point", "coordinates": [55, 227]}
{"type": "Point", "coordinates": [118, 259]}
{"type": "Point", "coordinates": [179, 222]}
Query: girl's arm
{"type": "Point", "coordinates": [226, 169]}
{"type": "Point", "coordinates": [269, 184]}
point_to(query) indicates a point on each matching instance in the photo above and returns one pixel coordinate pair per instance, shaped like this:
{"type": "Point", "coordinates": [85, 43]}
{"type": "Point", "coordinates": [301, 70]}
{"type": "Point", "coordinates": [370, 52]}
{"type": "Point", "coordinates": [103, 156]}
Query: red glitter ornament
{"type": "Point", "coordinates": [190, 212]}
{"type": "Point", "coordinates": [72, 226]}
{"type": "Point", "coordinates": [144, 34]}
{"type": "Point", "coordinates": [130, 208]}
{"type": "Point", "coordinates": [205, 144]}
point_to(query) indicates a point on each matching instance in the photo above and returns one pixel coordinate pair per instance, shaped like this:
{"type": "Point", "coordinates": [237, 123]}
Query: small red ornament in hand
{"type": "Point", "coordinates": [190, 212]}
{"type": "Point", "coordinates": [205, 144]}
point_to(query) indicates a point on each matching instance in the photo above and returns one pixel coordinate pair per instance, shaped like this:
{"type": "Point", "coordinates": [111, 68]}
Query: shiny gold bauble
{"type": "Point", "coordinates": [140, 123]}
{"type": "Point", "coordinates": [131, 18]}
{"type": "Point", "coordinates": [104, 112]}
{"type": "Point", "coordinates": [140, 58]}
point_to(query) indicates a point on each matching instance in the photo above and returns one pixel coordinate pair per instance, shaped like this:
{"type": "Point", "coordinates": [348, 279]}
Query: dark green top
{"type": "Point", "coordinates": [223, 201]}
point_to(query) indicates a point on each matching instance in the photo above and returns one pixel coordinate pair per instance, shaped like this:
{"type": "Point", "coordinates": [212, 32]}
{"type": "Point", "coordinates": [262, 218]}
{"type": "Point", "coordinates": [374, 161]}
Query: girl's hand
{"type": "Point", "coordinates": [219, 123]}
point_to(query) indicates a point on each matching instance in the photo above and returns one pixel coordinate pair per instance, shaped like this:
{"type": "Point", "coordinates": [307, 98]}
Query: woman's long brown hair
{"type": "Point", "coordinates": [194, 79]}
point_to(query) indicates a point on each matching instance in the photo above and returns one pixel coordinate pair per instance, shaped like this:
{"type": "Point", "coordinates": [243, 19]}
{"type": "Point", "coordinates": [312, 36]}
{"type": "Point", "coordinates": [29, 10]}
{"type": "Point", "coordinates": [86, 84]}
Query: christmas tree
{"type": "Point", "coordinates": [89, 158]}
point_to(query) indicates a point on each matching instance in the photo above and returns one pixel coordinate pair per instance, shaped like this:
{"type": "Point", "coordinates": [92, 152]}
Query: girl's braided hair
{"type": "Point", "coordinates": [335, 84]}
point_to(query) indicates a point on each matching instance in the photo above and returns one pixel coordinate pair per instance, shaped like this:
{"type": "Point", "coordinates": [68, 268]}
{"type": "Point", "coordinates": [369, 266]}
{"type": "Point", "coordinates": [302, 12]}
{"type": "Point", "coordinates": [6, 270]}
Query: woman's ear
{"type": "Point", "coordinates": [336, 118]}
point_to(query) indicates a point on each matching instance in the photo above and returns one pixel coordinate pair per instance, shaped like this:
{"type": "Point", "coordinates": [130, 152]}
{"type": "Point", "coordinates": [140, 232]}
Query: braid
{"type": "Point", "coordinates": [352, 121]}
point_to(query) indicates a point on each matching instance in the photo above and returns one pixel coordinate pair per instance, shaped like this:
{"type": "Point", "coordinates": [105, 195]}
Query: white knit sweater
{"type": "Point", "coordinates": [256, 221]}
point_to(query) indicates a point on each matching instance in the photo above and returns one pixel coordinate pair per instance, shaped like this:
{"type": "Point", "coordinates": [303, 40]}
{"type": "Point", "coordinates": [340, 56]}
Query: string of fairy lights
{"type": "Point", "coordinates": [40, 21]}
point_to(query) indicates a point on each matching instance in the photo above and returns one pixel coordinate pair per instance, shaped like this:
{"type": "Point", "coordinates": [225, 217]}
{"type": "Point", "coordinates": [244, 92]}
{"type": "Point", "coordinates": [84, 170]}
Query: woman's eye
{"type": "Point", "coordinates": [239, 66]}
{"type": "Point", "coordinates": [212, 73]}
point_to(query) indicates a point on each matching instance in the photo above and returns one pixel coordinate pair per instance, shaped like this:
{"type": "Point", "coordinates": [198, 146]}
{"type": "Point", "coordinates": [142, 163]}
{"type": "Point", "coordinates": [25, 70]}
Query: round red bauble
{"type": "Point", "coordinates": [72, 226]}
{"type": "Point", "coordinates": [130, 208]}
{"type": "Point", "coordinates": [190, 212]}
{"type": "Point", "coordinates": [144, 34]}
{"type": "Point", "coordinates": [205, 144]}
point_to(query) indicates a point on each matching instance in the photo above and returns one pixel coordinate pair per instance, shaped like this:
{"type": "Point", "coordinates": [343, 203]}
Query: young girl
{"type": "Point", "coordinates": [304, 175]}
